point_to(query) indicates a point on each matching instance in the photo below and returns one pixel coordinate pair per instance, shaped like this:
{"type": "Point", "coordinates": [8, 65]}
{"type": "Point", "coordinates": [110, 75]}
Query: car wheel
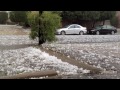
{"type": "Point", "coordinates": [81, 33]}
{"type": "Point", "coordinates": [97, 33]}
{"type": "Point", "coordinates": [112, 32]}
{"type": "Point", "coordinates": [63, 33]}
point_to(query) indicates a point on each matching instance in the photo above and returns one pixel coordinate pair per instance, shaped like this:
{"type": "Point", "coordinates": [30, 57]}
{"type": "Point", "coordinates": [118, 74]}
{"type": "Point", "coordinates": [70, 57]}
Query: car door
{"type": "Point", "coordinates": [71, 29]}
{"type": "Point", "coordinates": [104, 29]}
{"type": "Point", "coordinates": [109, 28]}
{"type": "Point", "coordinates": [77, 29]}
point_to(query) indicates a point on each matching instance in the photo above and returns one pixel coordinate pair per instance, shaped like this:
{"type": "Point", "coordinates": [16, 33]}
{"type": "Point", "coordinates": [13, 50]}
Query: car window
{"type": "Point", "coordinates": [109, 27]}
{"type": "Point", "coordinates": [72, 26]}
{"type": "Point", "coordinates": [98, 27]}
{"type": "Point", "coordinates": [104, 27]}
{"type": "Point", "coordinates": [76, 26]}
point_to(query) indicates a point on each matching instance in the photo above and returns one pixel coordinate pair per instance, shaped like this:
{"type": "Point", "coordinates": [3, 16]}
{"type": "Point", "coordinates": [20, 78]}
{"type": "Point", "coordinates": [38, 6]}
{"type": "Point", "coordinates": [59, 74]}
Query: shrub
{"type": "Point", "coordinates": [33, 20]}
{"type": "Point", "coordinates": [44, 25]}
{"type": "Point", "coordinates": [3, 17]}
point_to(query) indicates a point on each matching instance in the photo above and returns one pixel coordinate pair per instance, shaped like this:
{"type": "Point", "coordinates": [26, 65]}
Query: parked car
{"type": "Point", "coordinates": [72, 29]}
{"type": "Point", "coordinates": [103, 29]}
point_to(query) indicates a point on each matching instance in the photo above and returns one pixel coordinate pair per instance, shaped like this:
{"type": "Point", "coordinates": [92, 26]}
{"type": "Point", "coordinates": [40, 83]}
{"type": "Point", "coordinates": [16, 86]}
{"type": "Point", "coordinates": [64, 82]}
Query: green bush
{"type": "Point", "coordinates": [44, 26]}
{"type": "Point", "coordinates": [33, 20]}
{"type": "Point", "coordinates": [3, 17]}
{"type": "Point", "coordinates": [51, 22]}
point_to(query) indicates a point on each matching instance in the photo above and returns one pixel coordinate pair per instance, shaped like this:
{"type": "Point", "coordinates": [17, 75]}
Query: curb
{"type": "Point", "coordinates": [28, 75]}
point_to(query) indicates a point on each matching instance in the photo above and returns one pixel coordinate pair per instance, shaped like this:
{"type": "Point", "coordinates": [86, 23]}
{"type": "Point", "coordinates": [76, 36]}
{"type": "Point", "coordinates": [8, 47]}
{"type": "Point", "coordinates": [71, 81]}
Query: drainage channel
{"type": "Point", "coordinates": [72, 61]}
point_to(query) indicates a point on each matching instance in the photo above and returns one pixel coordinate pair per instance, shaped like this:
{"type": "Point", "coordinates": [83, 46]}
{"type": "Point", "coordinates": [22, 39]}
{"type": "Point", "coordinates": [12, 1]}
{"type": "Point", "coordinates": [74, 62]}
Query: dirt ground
{"type": "Point", "coordinates": [13, 30]}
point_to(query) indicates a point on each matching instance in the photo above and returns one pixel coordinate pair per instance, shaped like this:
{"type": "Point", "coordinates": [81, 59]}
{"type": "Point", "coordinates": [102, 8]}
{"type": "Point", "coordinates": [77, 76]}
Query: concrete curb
{"type": "Point", "coordinates": [28, 75]}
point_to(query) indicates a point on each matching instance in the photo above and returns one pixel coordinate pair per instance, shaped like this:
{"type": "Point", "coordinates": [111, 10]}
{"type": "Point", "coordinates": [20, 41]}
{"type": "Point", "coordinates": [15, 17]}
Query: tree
{"type": "Point", "coordinates": [33, 20]}
{"type": "Point", "coordinates": [114, 21]}
{"type": "Point", "coordinates": [87, 16]}
{"type": "Point", "coordinates": [68, 16]}
{"type": "Point", "coordinates": [19, 17]}
{"type": "Point", "coordinates": [57, 12]}
{"type": "Point", "coordinates": [92, 16]}
{"type": "Point", "coordinates": [106, 15]}
{"type": "Point", "coordinates": [81, 15]}
{"type": "Point", "coordinates": [44, 25]}
{"type": "Point", "coordinates": [3, 17]}
{"type": "Point", "coordinates": [73, 16]}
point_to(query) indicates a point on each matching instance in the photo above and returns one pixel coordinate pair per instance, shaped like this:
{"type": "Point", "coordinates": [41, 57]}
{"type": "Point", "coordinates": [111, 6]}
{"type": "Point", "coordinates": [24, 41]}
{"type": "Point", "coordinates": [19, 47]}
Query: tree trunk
{"type": "Point", "coordinates": [93, 24]}
{"type": "Point", "coordinates": [40, 33]}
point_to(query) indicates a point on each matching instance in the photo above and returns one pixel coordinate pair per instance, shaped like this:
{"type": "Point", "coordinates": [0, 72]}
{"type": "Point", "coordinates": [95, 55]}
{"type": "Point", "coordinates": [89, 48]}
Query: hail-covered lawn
{"type": "Point", "coordinates": [102, 51]}
{"type": "Point", "coordinates": [16, 40]}
{"type": "Point", "coordinates": [15, 58]}
{"type": "Point", "coordinates": [32, 59]}
{"type": "Point", "coordinates": [103, 54]}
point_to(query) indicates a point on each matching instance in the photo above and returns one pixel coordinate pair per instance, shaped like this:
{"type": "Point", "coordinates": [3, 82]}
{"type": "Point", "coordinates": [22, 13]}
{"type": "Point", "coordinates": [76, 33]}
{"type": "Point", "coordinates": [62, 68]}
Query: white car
{"type": "Point", "coordinates": [72, 29]}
